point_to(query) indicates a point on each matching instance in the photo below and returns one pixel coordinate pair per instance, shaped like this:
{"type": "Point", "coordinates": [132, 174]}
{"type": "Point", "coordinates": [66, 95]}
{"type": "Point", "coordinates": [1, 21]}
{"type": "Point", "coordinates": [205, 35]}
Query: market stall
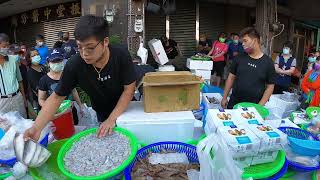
{"type": "Point", "coordinates": [178, 131]}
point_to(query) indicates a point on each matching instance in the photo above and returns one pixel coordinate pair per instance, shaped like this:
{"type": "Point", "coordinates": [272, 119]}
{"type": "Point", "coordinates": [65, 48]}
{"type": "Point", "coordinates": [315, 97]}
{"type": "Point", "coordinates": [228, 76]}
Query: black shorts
{"type": "Point", "coordinates": [218, 67]}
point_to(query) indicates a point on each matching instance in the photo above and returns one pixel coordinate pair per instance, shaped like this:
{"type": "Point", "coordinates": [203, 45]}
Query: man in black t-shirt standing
{"type": "Point", "coordinates": [104, 72]}
{"type": "Point", "coordinates": [252, 75]}
{"type": "Point", "coordinates": [69, 46]}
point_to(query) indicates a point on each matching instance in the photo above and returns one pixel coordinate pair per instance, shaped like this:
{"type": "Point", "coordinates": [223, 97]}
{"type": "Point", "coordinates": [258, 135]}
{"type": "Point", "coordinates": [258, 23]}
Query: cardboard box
{"type": "Point", "coordinates": [264, 157]}
{"type": "Point", "coordinates": [216, 119]}
{"type": "Point", "coordinates": [171, 91]}
{"type": "Point", "coordinates": [203, 65]}
{"type": "Point", "coordinates": [158, 52]}
{"type": "Point", "coordinates": [272, 139]}
{"type": "Point", "coordinates": [241, 141]}
{"type": "Point", "coordinates": [204, 74]}
{"type": "Point", "coordinates": [248, 116]}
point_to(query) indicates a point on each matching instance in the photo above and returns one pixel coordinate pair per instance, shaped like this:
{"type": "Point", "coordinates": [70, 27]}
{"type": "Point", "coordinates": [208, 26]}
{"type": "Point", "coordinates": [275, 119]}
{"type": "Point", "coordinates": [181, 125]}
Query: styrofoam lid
{"type": "Point", "coordinates": [135, 114]}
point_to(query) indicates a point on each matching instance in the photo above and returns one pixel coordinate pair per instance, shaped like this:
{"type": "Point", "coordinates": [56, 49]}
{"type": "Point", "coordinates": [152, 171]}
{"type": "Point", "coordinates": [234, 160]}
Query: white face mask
{"type": "Point", "coordinates": [36, 60]}
{"type": "Point", "coordinates": [56, 67]}
{"type": "Point", "coordinates": [39, 43]}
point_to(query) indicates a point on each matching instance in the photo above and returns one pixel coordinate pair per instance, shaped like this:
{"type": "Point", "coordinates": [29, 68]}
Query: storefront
{"type": "Point", "coordinates": [47, 21]}
{"type": "Point", "coordinates": [199, 17]}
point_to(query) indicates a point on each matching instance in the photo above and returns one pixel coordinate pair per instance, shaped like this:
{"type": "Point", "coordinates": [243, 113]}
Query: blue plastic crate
{"type": "Point", "coordinates": [189, 150]}
{"type": "Point", "coordinates": [11, 162]}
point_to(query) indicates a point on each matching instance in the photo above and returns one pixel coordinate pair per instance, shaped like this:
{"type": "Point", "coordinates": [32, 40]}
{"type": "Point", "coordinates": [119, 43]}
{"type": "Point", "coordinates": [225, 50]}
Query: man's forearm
{"type": "Point", "coordinates": [122, 104]}
{"type": "Point", "coordinates": [48, 110]}
{"type": "Point", "coordinates": [266, 95]}
{"type": "Point", "coordinates": [228, 85]}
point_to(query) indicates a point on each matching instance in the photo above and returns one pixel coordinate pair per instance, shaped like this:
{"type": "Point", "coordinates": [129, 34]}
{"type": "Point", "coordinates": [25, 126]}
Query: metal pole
{"type": "Point", "coordinates": [318, 40]}
{"type": "Point", "coordinates": [197, 21]}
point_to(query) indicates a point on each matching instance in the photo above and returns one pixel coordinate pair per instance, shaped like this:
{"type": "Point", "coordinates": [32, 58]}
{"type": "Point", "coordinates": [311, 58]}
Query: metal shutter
{"type": "Point", "coordinates": [183, 27]}
{"type": "Point", "coordinates": [236, 19]}
{"type": "Point", "coordinates": [51, 29]}
{"type": "Point", "coordinates": [26, 34]}
{"type": "Point", "coordinates": [211, 19]}
{"type": "Point", "coordinates": [155, 26]}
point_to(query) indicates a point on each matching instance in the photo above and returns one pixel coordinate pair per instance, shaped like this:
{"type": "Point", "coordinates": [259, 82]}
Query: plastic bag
{"type": "Point", "coordinates": [306, 161]}
{"type": "Point", "coordinates": [142, 53]}
{"type": "Point", "coordinates": [65, 105]}
{"type": "Point", "coordinates": [219, 166]}
{"type": "Point", "coordinates": [88, 118]}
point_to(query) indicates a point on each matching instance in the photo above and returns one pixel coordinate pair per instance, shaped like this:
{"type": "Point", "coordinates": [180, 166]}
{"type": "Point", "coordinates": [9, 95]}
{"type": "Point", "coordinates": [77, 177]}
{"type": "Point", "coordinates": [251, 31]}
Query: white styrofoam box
{"type": "Point", "coordinates": [244, 161]}
{"type": "Point", "coordinates": [198, 130]}
{"type": "Point", "coordinates": [248, 116]}
{"type": "Point", "coordinates": [271, 139]}
{"type": "Point", "coordinates": [280, 107]}
{"type": "Point", "coordinates": [163, 68]}
{"type": "Point", "coordinates": [283, 122]}
{"type": "Point", "coordinates": [158, 52]}
{"type": "Point", "coordinates": [209, 105]}
{"type": "Point", "coordinates": [241, 141]}
{"type": "Point", "coordinates": [155, 127]}
{"type": "Point", "coordinates": [264, 157]}
{"type": "Point", "coordinates": [204, 65]}
{"type": "Point", "coordinates": [216, 118]}
{"type": "Point", "coordinates": [204, 74]}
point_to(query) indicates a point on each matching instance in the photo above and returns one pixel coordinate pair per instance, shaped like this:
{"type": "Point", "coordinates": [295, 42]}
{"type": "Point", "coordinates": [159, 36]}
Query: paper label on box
{"type": "Point", "coordinates": [243, 140]}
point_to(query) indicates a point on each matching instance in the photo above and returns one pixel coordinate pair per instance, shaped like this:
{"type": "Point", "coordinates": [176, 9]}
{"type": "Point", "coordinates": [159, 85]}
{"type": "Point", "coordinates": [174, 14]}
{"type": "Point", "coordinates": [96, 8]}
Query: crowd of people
{"type": "Point", "coordinates": [29, 75]}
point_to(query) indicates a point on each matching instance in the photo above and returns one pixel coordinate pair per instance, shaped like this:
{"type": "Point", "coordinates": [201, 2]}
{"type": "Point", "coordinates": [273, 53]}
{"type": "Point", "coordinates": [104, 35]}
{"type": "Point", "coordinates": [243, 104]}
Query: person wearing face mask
{"type": "Point", "coordinates": [69, 45]}
{"type": "Point", "coordinates": [252, 75]}
{"type": "Point", "coordinates": [106, 73]}
{"type": "Point", "coordinates": [217, 52]}
{"type": "Point", "coordinates": [285, 66]}
{"type": "Point", "coordinates": [42, 48]}
{"type": "Point", "coordinates": [35, 72]}
{"type": "Point", "coordinates": [49, 82]}
{"type": "Point", "coordinates": [235, 47]}
{"type": "Point", "coordinates": [311, 60]}
{"type": "Point", "coordinates": [12, 96]}
{"type": "Point", "coordinates": [311, 86]}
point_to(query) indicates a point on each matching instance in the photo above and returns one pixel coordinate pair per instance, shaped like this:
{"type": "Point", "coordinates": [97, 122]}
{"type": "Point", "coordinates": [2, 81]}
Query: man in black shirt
{"type": "Point", "coordinates": [69, 45]}
{"type": "Point", "coordinates": [104, 72]}
{"type": "Point", "coordinates": [252, 75]}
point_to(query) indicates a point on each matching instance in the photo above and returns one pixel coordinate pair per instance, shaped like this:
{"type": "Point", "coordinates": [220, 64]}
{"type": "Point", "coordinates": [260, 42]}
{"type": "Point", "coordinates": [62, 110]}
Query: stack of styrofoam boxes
{"type": "Point", "coordinates": [200, 68]}
{"type": "Point", "coordinates": [247, 137]}
{"type": "Point", "coordinates": [281, 108]}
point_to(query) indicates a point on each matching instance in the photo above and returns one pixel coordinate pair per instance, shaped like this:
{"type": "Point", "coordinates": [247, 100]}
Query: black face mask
{"type": "Point", "coordinates": [66, 38]}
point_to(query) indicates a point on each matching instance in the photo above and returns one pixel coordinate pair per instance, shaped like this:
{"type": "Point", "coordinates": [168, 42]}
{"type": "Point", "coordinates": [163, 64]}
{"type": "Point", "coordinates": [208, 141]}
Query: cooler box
{"type": "Point", "coordinates": [156, 127]}
{"type": "Point", "coordinates": [196, 64]}
{"type": "Point", "coordinates": [204, 74]}
{"type": "Point", "coordinates": [158, 52]}
{"type": "Point", "coordinates": [171, 91]}
{"type": "Point", "coordinates": [212, 100]}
